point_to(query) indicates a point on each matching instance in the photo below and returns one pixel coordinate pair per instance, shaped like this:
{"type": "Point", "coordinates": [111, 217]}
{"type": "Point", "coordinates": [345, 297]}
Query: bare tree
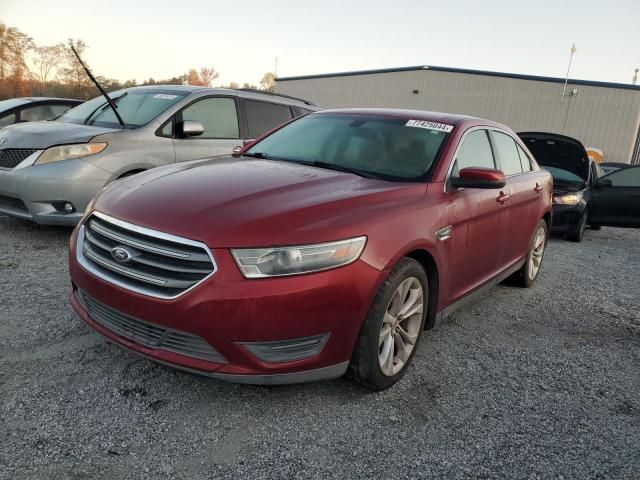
{"type": "Point", "coordinates": [268, 82]}
{"type": "Point", "coordinates": [203, 78]}
{"type": "Point", "coordinates": [47, 59]}
{"type": "Point", "coordinates": [72, 72]}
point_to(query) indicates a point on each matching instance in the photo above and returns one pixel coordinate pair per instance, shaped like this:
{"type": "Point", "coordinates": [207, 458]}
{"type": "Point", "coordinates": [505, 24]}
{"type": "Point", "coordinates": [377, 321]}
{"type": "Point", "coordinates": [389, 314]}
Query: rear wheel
{"type": "Point", "coordinates": [393, 328]}
{"type": "Point", "coordinates": [527, 275]}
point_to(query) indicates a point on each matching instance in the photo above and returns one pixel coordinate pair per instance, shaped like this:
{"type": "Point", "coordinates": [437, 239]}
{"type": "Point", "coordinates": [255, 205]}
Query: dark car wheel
{"type": "Point", "coordinates": [579, 233]}
{"type": "Point", "coordinates": [392, 330]}
{"type": "Point", "coordinates": [527, 275]}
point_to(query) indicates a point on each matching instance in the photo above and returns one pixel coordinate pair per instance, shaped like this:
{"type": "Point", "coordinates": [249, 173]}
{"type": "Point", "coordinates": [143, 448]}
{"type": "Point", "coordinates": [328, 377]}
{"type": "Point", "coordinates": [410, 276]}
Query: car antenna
{"type": "Point", "coordinates": [110, 101]}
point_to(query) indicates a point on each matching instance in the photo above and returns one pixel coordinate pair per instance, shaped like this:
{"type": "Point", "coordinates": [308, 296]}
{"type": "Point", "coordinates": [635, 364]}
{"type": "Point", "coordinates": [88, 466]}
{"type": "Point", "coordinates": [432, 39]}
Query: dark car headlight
{"type": "Point", "coordinates": [568, 199]}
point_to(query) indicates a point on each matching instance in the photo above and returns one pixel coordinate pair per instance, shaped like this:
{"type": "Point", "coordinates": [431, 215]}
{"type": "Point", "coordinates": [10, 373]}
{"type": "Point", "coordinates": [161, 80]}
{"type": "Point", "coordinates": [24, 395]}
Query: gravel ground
{"type": "Point", "coordinates": [537, 383]}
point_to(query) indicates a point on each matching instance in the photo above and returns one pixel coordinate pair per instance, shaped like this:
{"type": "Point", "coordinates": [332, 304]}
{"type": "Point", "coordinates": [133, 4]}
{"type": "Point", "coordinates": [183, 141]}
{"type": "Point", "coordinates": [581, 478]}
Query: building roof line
{"type": "Point", "coordinates": [435, 68]}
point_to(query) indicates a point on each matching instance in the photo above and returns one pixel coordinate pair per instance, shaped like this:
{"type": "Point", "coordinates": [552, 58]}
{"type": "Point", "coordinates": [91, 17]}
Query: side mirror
{"type": "Point", "coordinates": [604, 182]}
{"type": "Point", "coordinates": [476, 177]}
{"type": "Point", "coordinates": [191, 128]}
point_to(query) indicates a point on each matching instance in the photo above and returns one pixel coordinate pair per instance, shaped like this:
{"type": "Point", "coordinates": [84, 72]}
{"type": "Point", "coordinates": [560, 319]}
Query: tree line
{"type": "Point", "coordinates": [28, 69]}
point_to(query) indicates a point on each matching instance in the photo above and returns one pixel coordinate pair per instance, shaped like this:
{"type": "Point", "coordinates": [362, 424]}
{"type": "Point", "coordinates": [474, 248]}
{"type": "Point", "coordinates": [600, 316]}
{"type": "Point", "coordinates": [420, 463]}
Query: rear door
{"type": "Point", "coordinates": [219, 117]}
{"type": "Point", "coordinates": [615, 200]}
{"type": "Point", "coordinates": [263, 116]}
{"type": "Point", "coordinates": [478, 220]}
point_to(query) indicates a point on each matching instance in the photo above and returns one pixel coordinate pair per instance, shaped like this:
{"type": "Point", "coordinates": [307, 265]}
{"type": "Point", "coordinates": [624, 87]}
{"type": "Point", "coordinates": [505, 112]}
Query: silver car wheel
{"type": "Point", "coordinates": [536, 253]}
{"type": "Point", "coordinates": [401, 326]}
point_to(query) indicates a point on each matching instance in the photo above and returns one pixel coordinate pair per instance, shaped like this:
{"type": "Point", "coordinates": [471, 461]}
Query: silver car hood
{"type": "Point", "coordinates": [41, 135]}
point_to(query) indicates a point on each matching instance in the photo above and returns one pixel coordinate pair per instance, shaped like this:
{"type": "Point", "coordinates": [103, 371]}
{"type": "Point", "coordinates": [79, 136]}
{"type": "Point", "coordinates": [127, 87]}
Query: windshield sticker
{"type": "Point", "coordinates": [164, 96]}
{"type": "Point", "coordinates": [439, 127]}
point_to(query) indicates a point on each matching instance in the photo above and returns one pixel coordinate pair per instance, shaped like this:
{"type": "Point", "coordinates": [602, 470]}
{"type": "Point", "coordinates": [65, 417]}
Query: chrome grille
{"type": "Point", "coordinates": [12, 203]}
{"type": "Point", "coordinates": [149, 334]}
{"type": "Point", "coordinates": [11, 157]}
{"type": "Point", "coordinates": [156, 263]}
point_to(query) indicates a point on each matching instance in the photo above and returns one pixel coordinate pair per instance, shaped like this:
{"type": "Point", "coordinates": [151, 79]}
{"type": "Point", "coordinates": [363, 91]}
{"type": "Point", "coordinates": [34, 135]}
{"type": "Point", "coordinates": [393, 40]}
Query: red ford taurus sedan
{"type": "Point", "coordinates": [324, 248]}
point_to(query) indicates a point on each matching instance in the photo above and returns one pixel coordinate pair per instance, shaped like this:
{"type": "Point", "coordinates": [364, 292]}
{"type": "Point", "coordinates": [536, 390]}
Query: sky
{"type": "Point", "coordinates": [138, 39]}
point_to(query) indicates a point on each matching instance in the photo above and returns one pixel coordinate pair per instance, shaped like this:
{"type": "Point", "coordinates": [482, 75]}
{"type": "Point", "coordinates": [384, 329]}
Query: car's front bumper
{"type": "Point", "coordinates": [231, 312]}
{"type": "Point", "coordinates": [566, 218]}
{"type": "Point", "coordinates": [39, 192]}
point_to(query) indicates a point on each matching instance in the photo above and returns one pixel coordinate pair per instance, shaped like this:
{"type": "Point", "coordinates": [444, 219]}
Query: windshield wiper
{"type": "Point", "coordinates": [261, 155]}
{"type": "Point", "coordinates": [89, 120]}
{"type": "Point", "coordinates": [104, 94]}
{"type": "Point", "coordinates": [342, 168]}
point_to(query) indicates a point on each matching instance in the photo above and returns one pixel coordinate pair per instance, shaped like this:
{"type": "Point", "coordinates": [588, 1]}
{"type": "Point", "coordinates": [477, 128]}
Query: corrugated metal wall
{"type": "Point", "coordinates": [606, 118]}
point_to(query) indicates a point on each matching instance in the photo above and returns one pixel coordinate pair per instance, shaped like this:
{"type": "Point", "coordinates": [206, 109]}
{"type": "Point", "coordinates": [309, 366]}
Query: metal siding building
{"type": "Point", "coordinates": [601, 115]}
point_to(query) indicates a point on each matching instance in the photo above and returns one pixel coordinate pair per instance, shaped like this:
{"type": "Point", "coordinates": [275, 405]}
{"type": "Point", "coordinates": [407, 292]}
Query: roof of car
{"type": "Point", "coordinates": [46, 99]}
{"type": "Point", "coordinates": [229, 91]}
{"type": "Point", "coordinates": [440, 117]}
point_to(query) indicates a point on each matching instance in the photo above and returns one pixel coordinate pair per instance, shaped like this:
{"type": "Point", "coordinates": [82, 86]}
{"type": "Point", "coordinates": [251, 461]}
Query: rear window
{"type": "Point", "coordinates": [264, 116]}
{"type": "Point", "coordinates": [136, 107]}
{"type": "Point", "coordinates": [390, 148]}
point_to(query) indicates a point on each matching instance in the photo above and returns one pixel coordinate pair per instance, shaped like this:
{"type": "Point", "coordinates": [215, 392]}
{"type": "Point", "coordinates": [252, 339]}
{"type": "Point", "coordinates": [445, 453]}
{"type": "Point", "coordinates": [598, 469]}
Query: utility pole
{"type": "Point", "coordinates": [634, 80]}
{"type": "Point", "coordinates": [275, 71]}
{"type": "Point", "coordinates": [566, 78]}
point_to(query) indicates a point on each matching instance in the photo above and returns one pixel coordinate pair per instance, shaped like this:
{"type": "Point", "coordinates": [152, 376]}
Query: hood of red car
{"type": "Point", "coordinates": [229, 202]}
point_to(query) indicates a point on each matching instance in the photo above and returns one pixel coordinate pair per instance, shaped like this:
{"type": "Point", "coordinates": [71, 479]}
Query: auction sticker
{"type": "Point", "coordinates": [164, 96]}
{"type": "Point", "coordinates": [439, 127]}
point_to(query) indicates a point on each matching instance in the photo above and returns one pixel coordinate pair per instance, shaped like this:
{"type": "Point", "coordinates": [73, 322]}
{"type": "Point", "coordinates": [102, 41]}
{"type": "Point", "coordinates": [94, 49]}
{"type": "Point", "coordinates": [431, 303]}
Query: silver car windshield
{"type": "Point", "coordinates": [136, 107]}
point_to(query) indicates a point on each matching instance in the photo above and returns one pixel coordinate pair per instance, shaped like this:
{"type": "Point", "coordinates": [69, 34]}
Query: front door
{"type": "Point", "coordinates": [478, 220]}
{"type": "Point", "coordinates": [615, 200]}
{"type": "Point", "coordinates": [219, 117]}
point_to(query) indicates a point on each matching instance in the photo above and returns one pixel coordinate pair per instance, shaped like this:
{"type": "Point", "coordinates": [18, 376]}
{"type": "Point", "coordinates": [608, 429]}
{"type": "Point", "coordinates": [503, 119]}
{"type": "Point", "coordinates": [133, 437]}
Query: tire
{"type": "Point", "coordinates": [373, 345]}
{"type": "Point", "coordinates": [578, 235]}
{"type": "Point", "coordinates": [527, 275]}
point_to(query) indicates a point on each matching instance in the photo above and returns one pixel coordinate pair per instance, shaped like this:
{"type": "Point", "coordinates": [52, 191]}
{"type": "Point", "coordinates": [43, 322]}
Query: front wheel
{"type": "Point", "coordinates": [393, 328]}
{"type": "Point", "coordinates": [578, 235]}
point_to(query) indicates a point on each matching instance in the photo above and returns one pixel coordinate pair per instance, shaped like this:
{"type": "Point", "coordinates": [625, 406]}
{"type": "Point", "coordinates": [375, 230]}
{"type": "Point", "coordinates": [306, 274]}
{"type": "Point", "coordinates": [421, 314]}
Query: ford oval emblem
{"type": "Point", "coordinates": [120, 254]}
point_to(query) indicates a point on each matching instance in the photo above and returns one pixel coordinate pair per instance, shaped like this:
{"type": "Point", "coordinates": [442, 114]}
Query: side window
{"type": "Point", "coordinates": [625, 177]}
{"type": "Point", "coordinates": [507, 153]}
{"type": "Point", "coordinates": [37, 113]}
{"type": "Point", "coordinates": [60, 109]}
{"type": "Point", "coordinates": [263, 116]}
{"type": "Point", "coordinates": [7, 120]}
{"type": "Point", "coordinates": [475, 151]}
{"type": "Point", "coordinates": [217, 115]}
{"type": "Point", "coordinates": [167, 130]}
{"type": "Point", "coordinates": [525, 161]}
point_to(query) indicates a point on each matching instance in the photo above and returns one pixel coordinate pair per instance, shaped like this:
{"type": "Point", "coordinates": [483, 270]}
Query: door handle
{"type": "Point", "coordinates": [503, 197]}
{"type": "Point", "coordinates": [537, 188]}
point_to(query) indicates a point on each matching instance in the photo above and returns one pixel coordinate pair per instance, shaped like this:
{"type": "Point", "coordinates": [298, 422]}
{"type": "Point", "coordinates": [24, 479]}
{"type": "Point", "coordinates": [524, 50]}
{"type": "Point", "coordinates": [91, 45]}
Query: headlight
{"type": "Point", "coordinates": [569, 199]}
{"type": "Point", "coordinates": [278, 261]}
{"type": "Point", "coordinates": [66, 152]}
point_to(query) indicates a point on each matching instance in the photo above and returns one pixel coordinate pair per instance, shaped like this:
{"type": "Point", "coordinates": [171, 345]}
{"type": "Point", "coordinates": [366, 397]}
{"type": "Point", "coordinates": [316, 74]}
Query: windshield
{"type": "Point", "coordinates": [389, 148]}
{"type": "Point", "coordinates": [564, 176]}
{"type": "Point", "coordinates": [136, 107]}
{"type": "Point", "coordinates": [13, 102]}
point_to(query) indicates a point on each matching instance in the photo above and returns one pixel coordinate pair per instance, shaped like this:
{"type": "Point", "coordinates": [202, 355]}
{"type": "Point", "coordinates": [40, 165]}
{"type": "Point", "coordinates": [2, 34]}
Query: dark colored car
{"type": "Point", "coordinates": [608, 167]}
{"type": "Point", "coordinates": [33, 109]}
{"type": "Point", "coordinates": [327, 247]}
{"type": "Point", "coordinates": [580, 196]}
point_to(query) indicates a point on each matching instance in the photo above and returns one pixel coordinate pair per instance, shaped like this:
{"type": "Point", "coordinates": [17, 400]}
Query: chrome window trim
{"type": "Point", "coordinates": [495, 159]}
{"type": "Point", "coordinates": [84, 263]}
{"type": "Point", "coordinates": [455, 155]}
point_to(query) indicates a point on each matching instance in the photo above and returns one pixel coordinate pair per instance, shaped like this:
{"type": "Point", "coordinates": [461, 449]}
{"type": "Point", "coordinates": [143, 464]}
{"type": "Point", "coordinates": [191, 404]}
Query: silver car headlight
{"type": "Point", "coordinates": [296, 260]}
{"type": "Point", "coordinates": [569, 199]}
{"type": "Point", "coordinates": [67, 152]}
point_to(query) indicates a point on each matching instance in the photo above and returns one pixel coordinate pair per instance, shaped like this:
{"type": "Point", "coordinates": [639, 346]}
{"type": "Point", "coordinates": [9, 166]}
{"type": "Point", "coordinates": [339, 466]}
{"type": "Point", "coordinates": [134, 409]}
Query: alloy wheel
{"type": "Point", "coordinates": [401, 326]}
{"type": "Point", "coordinates": [536, 253]}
